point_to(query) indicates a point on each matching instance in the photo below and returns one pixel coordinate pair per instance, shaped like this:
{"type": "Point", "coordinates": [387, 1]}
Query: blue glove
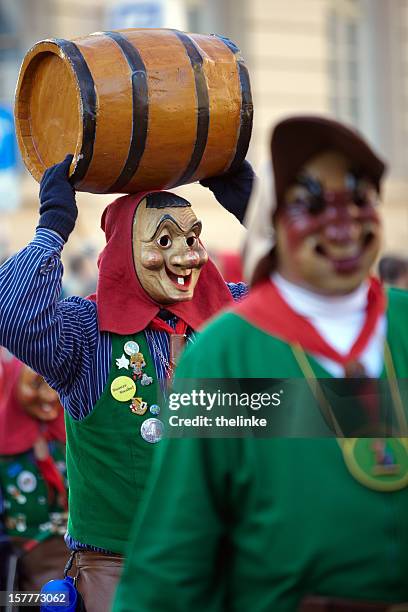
{"type": "Point", "coordinates": [232, 190]}
{"type": "Point", "coordinates": [58, 209]}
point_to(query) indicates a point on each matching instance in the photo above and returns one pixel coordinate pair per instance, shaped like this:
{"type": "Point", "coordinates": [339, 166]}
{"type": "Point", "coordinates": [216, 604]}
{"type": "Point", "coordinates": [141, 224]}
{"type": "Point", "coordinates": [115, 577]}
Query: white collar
{"type": "Point", "coordinates": [311, 304]}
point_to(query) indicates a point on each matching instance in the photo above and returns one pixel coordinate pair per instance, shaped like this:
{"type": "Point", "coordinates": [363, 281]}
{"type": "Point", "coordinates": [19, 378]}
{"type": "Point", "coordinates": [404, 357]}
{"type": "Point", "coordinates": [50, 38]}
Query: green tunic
{"type": "Point", "coordinates": [108, 460]}
{"type": "Point", "coordinates": [256, 524]}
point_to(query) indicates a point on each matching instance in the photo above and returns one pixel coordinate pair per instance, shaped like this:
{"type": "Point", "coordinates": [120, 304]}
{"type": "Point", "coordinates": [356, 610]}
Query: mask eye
{"type": "Point", "coordinates": [313, 204]}
{"type": "Point", "coordinates": [362, 191]}
{"type": "Point", "coordinates": [191, 241]}
{"type": "Point", "coordinates": [311, 197]}
{"type": "Point", "coordinates": [164, 241]}
{"type": "Point", "coordinates": [363, 195]}
{"type": "Point", "coordinates": [316, 205]}
{"type": "Point", "coordinates": [35, 382]}
{"type": "Point", "coordinates": [360, 198]}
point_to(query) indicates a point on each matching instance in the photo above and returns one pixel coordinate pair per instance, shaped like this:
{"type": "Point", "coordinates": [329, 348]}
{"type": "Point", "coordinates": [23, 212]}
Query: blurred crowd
{"type": "Point", "coordinates": [81, 272]}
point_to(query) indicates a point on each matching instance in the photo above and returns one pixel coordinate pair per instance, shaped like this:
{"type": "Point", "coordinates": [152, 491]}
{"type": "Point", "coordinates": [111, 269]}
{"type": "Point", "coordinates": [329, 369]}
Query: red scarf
{"type": "Point", "coordinates": [53, 478]}
{"type": "Point", "coordinates": [265, 308]}
{"type": "Point", "coordinates": [123, 305]}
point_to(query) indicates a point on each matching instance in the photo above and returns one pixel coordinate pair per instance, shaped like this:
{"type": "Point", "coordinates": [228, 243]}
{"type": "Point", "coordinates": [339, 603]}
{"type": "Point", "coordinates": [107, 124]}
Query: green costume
{"type": "Point", "coordinates": [108, 442]}
{"type": "Point", "coordinates": [28, 510]}
{"type": "Point", "coordinates": [257, 524]}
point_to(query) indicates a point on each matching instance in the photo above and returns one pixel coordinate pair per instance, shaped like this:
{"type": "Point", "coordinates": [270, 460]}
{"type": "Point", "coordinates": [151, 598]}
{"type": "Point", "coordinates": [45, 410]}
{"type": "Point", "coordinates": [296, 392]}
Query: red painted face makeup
{"type": "Point", "coordinates": [328, 229]}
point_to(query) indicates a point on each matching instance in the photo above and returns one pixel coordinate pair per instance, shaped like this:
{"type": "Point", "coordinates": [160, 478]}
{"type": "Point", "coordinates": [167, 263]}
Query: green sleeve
{"type": "Point", "coordinates": [397, 329]}
{"type": "Point", "coordinates": [174, 560]}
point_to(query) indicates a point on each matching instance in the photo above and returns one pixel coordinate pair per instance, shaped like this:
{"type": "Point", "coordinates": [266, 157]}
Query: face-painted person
{"type": "Point", "coordinates": [32, 477]}
{"type": "Point", "coordinates": [277, 524]}
{"type": "Point", "coordinates": [108, 356]}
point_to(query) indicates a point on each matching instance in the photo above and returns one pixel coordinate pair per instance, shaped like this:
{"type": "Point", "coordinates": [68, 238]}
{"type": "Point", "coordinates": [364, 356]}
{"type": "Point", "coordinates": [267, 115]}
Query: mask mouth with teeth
{"type": "Point", "coordinates": [167, 252]}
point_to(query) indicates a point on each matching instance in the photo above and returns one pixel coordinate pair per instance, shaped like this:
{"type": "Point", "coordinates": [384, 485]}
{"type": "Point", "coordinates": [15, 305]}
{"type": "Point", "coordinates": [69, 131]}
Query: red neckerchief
{"type": "Point", "coordinates": [159, 325]}
{"type": "Point", "coordinates": [265, 308]}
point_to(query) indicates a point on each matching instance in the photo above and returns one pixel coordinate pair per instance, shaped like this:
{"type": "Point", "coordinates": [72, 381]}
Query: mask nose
{"type": "Point", "coordinates": [342, 225]}
{"type": "Point", "coordinates": [187, 259]}
{"type": "Point", "coordinates": [342, 232]}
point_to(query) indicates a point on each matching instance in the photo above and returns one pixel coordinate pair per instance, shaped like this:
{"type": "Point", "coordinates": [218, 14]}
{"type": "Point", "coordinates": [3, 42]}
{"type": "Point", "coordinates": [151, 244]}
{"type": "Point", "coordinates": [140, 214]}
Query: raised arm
{"type": "Point", "coordinates": [50, 336]}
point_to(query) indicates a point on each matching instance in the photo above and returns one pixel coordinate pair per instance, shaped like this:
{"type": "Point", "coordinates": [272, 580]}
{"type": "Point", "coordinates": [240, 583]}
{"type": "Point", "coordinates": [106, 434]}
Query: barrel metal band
{"type": "Point", "coordinates": [203, 106]}
{"type": "Point", "coordinates": [247, 108]}
{"type": "Point", "coordinates": [88, 101]}
{"type": "Point", "coordinates": [140, 111]}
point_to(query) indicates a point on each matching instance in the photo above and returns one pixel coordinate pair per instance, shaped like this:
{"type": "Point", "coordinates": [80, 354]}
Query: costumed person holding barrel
{"type": "Point", "coordinates": [110, 355]}
{"type": "Point", "coordinates": [32, 478]}
{"type": "Point", "coordinates": [289, 524]}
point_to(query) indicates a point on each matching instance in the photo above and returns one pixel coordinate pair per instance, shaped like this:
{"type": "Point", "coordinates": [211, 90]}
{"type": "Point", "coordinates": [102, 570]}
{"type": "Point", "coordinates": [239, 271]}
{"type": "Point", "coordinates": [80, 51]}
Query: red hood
{"type": "Point", "coordinates": [123, 305]}
{"type": "Point", "coordinates": [18, 430]}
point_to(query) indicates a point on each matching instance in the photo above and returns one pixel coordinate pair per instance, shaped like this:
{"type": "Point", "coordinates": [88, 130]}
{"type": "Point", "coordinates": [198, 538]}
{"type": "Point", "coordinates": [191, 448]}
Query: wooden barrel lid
{"type": "Point", "coordinates": [41, 143]}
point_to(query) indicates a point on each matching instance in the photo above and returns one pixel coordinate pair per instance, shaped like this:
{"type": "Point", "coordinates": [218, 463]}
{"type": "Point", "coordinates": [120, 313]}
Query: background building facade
{"type": "Point", "coordinates": [346, 58]}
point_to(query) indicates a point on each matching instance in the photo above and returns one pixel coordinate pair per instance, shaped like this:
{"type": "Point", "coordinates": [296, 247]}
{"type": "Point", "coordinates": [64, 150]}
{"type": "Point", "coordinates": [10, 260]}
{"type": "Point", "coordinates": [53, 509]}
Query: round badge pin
{"type": "Point", "coordinates": [152, 430]}
{"type": "Point", "coordinates": [21, 523]}
{"type": "Point", "coordinates": [155, 409]}
{"type": "Point", "coordinates": [131, 348]}
{"type": "Point", "coordinates": [123, 388]}
{"type": "Point", "coordinates": [26, 481]}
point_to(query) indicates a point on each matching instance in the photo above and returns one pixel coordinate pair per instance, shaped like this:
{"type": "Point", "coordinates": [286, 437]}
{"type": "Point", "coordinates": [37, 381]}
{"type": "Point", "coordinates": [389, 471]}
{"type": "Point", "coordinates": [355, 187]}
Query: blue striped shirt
{"type": "Point", "coordinates": [61, 339]}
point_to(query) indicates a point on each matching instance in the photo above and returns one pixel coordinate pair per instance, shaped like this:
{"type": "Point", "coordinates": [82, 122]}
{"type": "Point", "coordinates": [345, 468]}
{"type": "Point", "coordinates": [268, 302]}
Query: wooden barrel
{"type": "Point", "coordinates": [140, 108]}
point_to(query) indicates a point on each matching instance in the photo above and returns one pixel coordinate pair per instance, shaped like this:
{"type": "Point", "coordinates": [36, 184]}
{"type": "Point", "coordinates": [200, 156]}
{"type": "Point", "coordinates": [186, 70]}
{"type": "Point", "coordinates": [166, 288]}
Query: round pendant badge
{"type": "Point", "coordinates": [377, 463]}
{"type": "Point", "coordinates": [152, 430]}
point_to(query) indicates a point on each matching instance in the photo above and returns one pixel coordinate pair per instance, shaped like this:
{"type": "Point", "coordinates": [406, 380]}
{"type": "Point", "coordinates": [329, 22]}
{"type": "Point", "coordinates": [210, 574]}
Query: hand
{"type": "Point", "coordinates": [233, 190]}
{"type": "Point", "coordinates": [58, 209]}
